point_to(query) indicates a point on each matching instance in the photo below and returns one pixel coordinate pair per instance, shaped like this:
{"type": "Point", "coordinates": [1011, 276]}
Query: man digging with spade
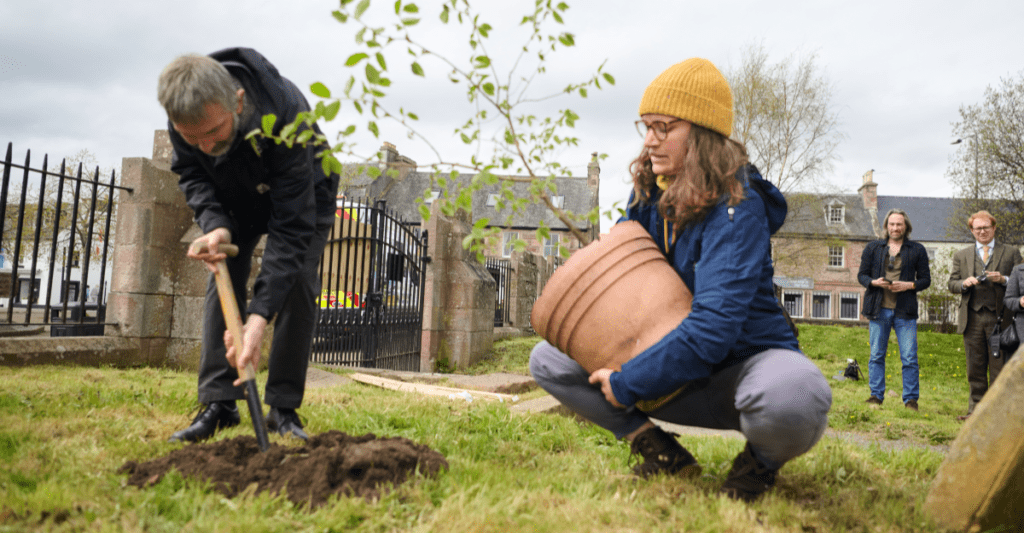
{"type": "Point", "coordinates": [240, 192]}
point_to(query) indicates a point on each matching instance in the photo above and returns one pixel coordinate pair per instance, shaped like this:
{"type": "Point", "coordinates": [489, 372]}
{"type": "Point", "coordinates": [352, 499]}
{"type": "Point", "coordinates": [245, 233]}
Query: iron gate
{"type": "Point", "coordinates": [371, 301]}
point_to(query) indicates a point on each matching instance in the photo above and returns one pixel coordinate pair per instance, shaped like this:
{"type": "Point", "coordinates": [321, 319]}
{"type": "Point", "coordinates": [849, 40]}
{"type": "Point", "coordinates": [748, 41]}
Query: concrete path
{"type": "Point", "coordinates": [514, 384]}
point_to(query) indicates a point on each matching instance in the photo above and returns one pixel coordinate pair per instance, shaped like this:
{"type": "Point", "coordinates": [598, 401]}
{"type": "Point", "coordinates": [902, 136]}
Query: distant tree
{"type": "Point", "coordinates": [988, 168]}
{"type": "Point", "coordinates": [784, 115]}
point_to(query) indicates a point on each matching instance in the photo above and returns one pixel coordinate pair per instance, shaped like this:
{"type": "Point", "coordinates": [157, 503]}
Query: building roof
{"type": "Point", "coordinates": [402, 191]}
{"type": "Point", "coordinates": [930, 217]}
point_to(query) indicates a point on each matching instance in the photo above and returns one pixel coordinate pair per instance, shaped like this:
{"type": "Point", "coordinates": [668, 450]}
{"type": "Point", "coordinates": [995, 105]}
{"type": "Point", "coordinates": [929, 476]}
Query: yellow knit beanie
{"type": "Point", "coordinates": [693, 90]}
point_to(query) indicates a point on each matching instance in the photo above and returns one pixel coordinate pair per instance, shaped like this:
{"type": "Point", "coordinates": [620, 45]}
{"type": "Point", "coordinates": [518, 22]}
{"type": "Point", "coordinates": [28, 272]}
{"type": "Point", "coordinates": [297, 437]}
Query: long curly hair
{"type": "Point", "coordinates": [708, 175]}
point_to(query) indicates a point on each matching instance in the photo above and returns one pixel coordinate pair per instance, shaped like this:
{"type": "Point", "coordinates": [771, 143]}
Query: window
{"type": "Point", "coordinates": [492, 200]}
{"type": "Point", "coordinates": [22, 294]}
{"type": "Point", "coordinates": [508, 240]}
{"type": "Point", "coordinates": [821, 305]}
{"type": "Point", "coordinates": [558, 201]}
{"type": "Point", "coordinates": [834, 215]}
{"type": "Point", "coordinates": [836, 256]}
{"type": "Point", "coordinates": [931, 253]}
{"type": "Point", "coordinates": [849, 306]}
{"type": "Point", "coordinates": [434, 195]}
{"type": "Point", "coordinates": [794, 303]}
{"type": "Point", "coordinates": [551, 245]}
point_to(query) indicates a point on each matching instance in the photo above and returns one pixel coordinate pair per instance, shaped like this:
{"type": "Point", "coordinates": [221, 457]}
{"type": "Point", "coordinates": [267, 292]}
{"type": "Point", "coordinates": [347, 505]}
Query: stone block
{"type": "Point", "coordinates": [978, 485]}
{"type": "Point", "coordinates": [144, 269]}
{"type": "Point", "coordinates": [187, 319]}
{"type": "Point", "coordinates": [158, 225]}
{"type": "Point", "coordinates": [141, 315]}
{"type": "Point", "coordinates": [184, 354]}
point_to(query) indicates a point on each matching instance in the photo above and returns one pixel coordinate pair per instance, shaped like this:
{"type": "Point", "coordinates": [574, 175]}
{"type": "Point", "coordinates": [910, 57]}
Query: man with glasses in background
{"type": "Point", "coordinates": [979, 275]}
{"type": "Point", "coordinates": [893, 270]}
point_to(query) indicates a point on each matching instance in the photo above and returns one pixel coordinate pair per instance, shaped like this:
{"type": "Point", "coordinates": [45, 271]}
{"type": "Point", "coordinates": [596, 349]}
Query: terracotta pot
{"type": "Point", "coordinates": [611, 300]}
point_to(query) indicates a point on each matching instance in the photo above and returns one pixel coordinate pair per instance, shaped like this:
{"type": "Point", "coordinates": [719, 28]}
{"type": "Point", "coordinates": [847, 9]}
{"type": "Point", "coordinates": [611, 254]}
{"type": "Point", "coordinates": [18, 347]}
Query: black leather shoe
{"type": "Point", "coordinates": [216, 415]}
{"type": "Point", "coordinates": [285, 422]}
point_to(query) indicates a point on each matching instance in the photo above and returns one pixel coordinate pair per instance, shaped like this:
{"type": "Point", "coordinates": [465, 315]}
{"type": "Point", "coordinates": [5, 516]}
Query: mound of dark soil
{"type": "Point", "coordinates": [330, 463]}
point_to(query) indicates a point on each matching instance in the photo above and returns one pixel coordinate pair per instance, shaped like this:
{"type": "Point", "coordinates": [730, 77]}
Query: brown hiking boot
{"type": "Point", "coordinates": [748, 478]}
{"type": "Point", "coordinates": [912, 405]}
{"type": "Point", "coordinates": [874, 400]}
{"type": "Point", "coordinates": [662, 453]}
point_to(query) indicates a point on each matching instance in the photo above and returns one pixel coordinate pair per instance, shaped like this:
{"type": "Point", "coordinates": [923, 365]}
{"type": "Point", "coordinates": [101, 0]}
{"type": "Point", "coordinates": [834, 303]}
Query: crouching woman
{"type": "Point", "coordinates": [734, 362]}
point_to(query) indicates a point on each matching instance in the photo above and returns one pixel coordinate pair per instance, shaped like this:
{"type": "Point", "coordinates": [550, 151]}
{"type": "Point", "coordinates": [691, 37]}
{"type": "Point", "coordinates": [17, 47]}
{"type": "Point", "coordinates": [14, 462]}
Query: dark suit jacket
{"type": "Point", "coordinates": [1003, 259]}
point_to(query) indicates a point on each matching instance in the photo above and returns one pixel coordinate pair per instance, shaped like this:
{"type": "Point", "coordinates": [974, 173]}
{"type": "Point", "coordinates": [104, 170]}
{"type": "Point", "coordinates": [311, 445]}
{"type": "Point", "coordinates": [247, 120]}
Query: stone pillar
{"type": "Point", "coordinates": [458, 298]}
{"type": "Point", "coordinates": [524, 288]}
{"type": "Point", "coordinates": [149, 272]}
{"type": "Point", "coordinates": [979, 485]}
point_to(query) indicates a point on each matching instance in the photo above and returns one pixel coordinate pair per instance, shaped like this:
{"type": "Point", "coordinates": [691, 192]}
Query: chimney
{"type": "Point", "coordinates": [869, 191]}
{"type": "Point", "coordinates": [869, 196]}
{"type": "Point", "coordinates": [594, 184]}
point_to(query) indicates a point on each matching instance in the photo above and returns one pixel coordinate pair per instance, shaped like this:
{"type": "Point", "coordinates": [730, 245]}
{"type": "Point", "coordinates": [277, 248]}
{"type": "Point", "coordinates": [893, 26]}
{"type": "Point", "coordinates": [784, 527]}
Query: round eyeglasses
{"type": "Point", "coordinates": [659, 128]}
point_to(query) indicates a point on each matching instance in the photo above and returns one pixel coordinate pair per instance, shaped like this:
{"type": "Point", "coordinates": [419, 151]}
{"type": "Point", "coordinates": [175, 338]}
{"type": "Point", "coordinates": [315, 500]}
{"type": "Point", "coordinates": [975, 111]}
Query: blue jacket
{"type": "Point", "coordinates": [275, 190]}
{"type": "Point", "coordinates": [725, 261]}
{"type": "Point", "coordinates": [914, 258]}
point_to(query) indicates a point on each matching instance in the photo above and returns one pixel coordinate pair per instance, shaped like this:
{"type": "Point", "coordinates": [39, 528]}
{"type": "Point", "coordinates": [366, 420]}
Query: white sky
{"type": "Point", "coordinates": [82, 75]}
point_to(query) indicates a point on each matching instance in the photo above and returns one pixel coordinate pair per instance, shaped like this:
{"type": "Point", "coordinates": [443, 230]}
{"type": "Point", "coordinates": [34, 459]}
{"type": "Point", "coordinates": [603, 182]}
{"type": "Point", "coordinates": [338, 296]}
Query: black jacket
{"type": "Point", "coordinates": [280, 191]}
{"type": "Point", "coordinates": [915, 268]}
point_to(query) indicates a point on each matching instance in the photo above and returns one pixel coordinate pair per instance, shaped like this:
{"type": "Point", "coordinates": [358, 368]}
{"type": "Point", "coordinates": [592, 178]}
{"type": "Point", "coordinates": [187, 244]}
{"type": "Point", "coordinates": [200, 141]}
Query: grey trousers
{"type": "Point", "coordinates": [293, 331]}
{"type": "Point", "coordinates": [778, 399]}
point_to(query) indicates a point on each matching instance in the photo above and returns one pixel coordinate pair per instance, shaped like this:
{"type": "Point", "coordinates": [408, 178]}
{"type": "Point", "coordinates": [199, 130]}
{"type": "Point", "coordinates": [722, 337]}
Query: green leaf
{"type": "Point", "coordinates": [354, 59]}
{"type": "Point", "coordinates": [320, 90]}
{"type": "Point", "coordinates": [583, 92]}
{"type": "Point", "coordinates": [562, 6]}
{"type": "Point", "coordinates": [372, 74]}
{"type": "Point", "coordinates": [381, 62]}
{"type": "Point", "coordinates": [424, 212]}
{"type": "Point", "coordinates": [417, 69]}
{"type": "Point", "coordinates": [413, 116]}
{"type": "Point", "coordinates": [372, 126]}
{"type": "Point", "coordinates": [373, 172]}
{"type": "Point", "coordinates": [410, 21]}
{"type": "Point", "coordinates": [567, 39]}
{"type": "Point", "coordinates": [341, 17]}
{"type": "Point", "coordinates": [361, 8]}
{"type": "Point", "coordinates": [304, 136]}
{"type": "Point", "coordinates": [411, 8]}
{"type": "Point", "coordinates": [444, 15]}
{"type": "Point", "coordinates": [332, 110]}
{"type": "Point", "coordinates": [482, 62]}
{"type": "Point", "coordinates": [268, 124]}
{"type": "Point", "coordinates": [554, 15]}
{"type": "Point", "coordinates": [398, 6]}
{"type": "Point", "coordinates": [465, 138]}
{"type": "Point", "coordinates": [489, 88]}
{"type": "Point", "coordinates": [349, 130]}
{"type": "Point", "coordinates": [609, 78]}
{"type": "Point", "coordinates": [484, 29]}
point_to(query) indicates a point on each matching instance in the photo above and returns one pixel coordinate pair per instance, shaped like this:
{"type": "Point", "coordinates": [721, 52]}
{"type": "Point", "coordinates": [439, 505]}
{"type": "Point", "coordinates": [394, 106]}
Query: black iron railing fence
{"type": "Point", "coordinates": [501, 271]}
{"type": "Point", "coordinates": [55, 236]}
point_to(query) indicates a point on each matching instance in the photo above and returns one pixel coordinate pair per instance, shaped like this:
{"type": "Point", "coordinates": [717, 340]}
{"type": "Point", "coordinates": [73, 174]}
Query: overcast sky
{"type": "Point", "coordinates": [82, 75]}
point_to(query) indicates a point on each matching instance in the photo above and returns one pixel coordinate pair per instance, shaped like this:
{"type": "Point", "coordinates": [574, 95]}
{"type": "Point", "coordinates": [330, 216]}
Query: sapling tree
{"type": "Point", "coordinates": [513, 139]}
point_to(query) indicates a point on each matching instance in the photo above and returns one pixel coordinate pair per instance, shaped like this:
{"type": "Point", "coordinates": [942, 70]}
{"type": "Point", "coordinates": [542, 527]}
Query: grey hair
{"type": "Point", "coordinates": [190, 82]}
{"type": "Point", "coordinates": [906, 220]}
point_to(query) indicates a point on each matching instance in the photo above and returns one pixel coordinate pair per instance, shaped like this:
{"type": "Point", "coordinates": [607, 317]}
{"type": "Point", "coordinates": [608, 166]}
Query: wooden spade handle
{"type": "Point", "coordinates": [228, 303]}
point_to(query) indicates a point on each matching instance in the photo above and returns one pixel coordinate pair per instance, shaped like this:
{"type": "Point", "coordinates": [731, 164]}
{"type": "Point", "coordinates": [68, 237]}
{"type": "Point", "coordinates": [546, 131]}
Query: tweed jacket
{"type": "Point", "coordinates": [1003, 259]}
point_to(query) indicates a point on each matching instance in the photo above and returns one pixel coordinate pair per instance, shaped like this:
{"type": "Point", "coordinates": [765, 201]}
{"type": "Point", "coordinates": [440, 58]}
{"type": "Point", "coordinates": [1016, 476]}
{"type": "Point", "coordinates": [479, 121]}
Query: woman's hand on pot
{"type": "Point", "coordinates": [603, 377]}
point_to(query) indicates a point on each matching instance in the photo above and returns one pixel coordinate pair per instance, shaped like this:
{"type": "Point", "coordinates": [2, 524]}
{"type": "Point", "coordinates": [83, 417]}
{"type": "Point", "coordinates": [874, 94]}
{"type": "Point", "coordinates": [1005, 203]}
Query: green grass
{"type": "Point", "coordinates": [64, 431]}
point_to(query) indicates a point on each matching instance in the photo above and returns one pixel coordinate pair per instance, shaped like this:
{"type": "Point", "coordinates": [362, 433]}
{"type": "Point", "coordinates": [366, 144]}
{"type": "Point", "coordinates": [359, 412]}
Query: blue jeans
{"type": "Point", "coordinates": [906, 336]}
